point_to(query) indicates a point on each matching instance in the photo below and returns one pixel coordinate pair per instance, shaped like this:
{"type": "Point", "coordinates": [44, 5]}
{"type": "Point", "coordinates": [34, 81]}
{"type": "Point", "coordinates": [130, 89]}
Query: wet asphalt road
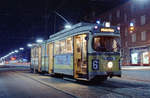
{"type": "Point", "coordinates": [19, 82]}
{"type": "Point", "coordinates": [14, 85]}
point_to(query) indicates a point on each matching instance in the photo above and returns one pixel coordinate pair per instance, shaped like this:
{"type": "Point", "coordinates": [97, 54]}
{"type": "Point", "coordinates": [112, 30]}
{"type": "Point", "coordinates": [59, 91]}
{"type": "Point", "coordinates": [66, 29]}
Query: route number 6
{"type": "Point", "coordinates": [95, 64]}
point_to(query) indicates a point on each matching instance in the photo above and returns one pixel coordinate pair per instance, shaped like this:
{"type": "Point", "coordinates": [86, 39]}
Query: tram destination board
{"type": "Point", "coordinates": [111, 30]}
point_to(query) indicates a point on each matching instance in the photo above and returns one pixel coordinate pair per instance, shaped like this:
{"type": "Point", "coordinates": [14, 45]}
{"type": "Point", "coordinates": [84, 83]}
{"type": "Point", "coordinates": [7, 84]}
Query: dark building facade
{"type": "Point", "coordinates": [135, 45]}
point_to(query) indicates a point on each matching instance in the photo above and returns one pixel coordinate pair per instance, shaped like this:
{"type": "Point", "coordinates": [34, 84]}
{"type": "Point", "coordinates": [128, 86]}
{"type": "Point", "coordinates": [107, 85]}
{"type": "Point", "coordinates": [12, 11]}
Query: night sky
{"type": "Point", "coordinates": [23, 21]}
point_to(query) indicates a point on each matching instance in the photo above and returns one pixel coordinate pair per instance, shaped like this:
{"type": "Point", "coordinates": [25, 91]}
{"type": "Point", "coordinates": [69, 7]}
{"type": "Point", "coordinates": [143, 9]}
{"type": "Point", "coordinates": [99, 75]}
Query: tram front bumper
{"type": "Point", "coordinates": [108, 74]}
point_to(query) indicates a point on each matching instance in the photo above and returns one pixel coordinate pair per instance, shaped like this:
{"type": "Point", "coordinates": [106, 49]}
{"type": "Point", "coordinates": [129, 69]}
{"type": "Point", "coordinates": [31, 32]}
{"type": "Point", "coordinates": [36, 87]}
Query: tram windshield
{"type": "Point", "coordinates": [106, 44]}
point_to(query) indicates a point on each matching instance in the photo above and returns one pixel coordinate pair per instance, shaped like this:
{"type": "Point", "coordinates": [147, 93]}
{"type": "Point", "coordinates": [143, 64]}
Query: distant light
{"type": "Point", "coordinates": [21, 48]}
{"type": "Point", "coordinates": [107, 24]}
{"type": "Point", "coordinates": [39, 40]}
{"type": "Point", "coordinates": [95, 27]}
{"type": "Point", "coordinates": [12, 52]}
{"type": "Point", "coordinates": [98, 22]}
{"type": "Point", "coordinates": [13, 58]}
{"type": "Point", "coordinates": [118, 28]}
{"type": "Point", "coordinates": [16, 51]}
{"type": "Point", "coordinates": [67, 26]}
{"type": "Point", "coordinates": [29, 45]}
{"type": "Point", "coordinates": [131, 28]}
{"type": "Point", "coordinates": [131, 24]}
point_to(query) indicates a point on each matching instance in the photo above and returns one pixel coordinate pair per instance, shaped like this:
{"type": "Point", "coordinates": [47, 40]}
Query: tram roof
{"type": "Point", "coordinates": [82, 26]}
{"type": "Point", "coordinates": [79, 28]}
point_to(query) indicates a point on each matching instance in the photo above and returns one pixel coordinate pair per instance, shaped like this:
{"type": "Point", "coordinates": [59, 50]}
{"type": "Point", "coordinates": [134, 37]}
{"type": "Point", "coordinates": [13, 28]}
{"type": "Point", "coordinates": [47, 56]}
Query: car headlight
{"type": "Point", "coordinates": [110, 64]}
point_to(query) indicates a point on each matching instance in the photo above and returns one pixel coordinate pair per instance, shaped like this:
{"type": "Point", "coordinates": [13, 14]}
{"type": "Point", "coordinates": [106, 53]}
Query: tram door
{"type": "Point", "coordinates": [50, 58]}
{"type": "Point", "coordinates": [39, 59]}
{"type": "Point", "coordinates": [80, 56]}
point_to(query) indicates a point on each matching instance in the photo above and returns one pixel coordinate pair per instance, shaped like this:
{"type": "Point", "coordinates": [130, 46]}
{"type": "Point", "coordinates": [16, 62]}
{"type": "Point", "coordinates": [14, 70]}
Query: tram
{"type": "Point", "coordinates": [85, 51]}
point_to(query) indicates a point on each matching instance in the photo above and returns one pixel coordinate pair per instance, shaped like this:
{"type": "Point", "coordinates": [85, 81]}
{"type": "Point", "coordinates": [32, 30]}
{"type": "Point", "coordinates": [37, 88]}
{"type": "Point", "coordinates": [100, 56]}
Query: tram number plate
{"type": "Point", "coordinates": [95, 64]}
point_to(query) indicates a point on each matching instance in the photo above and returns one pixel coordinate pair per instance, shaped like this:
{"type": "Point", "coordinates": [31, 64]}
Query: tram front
{"type": "Point", "coordinates": [104, 55]}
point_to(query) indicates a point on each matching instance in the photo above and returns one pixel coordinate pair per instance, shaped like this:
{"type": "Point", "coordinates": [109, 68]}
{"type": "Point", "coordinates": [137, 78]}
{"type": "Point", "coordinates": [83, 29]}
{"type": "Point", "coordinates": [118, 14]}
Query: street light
{"type": "Point", "coordinates": [98, 22]}
{"type": "Point", "coordinates": [16, 51]}
{"type": "Point", "coordinates": [132, 27]}
{"type": "Point", "coordinates": [29, 45]}
{"type": "Point", "coordinates": [21, 48]}
{"type": "Point", "coordinates": [12, 52]}
{"type": "Point", "coordinates": [39, 40]}
{"type": "Point", "coordinates": [67, 26]}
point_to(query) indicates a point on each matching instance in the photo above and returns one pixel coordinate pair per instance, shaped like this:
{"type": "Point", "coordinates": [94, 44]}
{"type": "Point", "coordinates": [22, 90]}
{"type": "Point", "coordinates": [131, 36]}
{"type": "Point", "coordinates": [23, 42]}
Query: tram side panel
{"type": "Point", "coordinates": [46, 58]}
{"type": "Point", "coordinates": [50, 57]}
{"type": "Point", "coordinates": [63, 57]}
{"type": "Point", "coordinates": [36, 58]}
{"type": "Point", "coordinates": [43, 57]}
{"type": "Point", "coordinates": [32, 59]}
{"type": "Point", "coordinates": [39, 58]}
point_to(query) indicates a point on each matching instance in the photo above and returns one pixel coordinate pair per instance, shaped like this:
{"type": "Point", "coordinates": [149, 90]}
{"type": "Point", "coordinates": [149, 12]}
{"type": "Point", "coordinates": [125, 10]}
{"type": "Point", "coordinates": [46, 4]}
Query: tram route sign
{"type": "Point", "coordinates": [95, 64]}
{"type": "Point", "coordinates": [107, 30]}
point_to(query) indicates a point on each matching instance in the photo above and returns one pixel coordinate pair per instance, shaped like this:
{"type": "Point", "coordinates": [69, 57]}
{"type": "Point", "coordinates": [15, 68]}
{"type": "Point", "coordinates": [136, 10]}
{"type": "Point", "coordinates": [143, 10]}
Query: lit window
{"type": "Point", "coordinates": [143, 35]}
{"type": "Point", "coordinates": [145, 58]}
{"type": "Point", "coordinates": [69, 45]}
{"type": "Point", "coordinates": [106, 44]}
{"type": "Point", "coordinates": [43, 51]}
{"type": "Point", "coordinates": [63, 47]}
{"type": "Point", "coordinates": [133, 37]}
{"type": "Point", "coordinates": [118, 14]}
{"type": "Point", "coordinates": [57, 48]}
{"type": "Point", "coordinates": [143, 20]}
{"type": "Point", "coordinates": [134, 58]}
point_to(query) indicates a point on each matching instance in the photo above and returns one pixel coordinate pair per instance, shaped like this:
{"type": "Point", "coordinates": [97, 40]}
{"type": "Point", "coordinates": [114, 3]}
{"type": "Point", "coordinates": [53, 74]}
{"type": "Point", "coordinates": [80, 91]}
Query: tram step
{"type": "Point", "coordinates": [84, 79]}
{"type": "Point", "coordinates": [69, 79]}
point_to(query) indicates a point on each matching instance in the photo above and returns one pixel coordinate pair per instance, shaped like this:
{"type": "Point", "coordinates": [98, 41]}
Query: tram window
{"type": "Point", "coordinates": [36, 52]}
{"type": "Point", "coordinates": [56, 48]}
{"type": "Point", "coordinates": [106, 44]}
{"type": "Point", "coordinates": [47, 48]}
{"type": "Point", "coordinates": [32, 53]}
{"type": "Point", "coordinates": [43, 50]}
{"type": "Point", "coordinates": [63, 47]}
{"type": "Point", "coordinates": [69, 45]}
{"type": "Point", "coordinates": [78, 41]}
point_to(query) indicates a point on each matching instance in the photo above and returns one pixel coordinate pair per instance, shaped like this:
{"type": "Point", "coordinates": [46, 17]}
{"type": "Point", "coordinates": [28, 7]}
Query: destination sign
{"type": "Point", "coordinates": [107, 30]}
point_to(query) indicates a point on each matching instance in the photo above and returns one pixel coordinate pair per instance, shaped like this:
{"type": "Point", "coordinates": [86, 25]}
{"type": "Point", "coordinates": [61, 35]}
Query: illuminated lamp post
{"type": "Point", "coordinates": [131, 28]}
{"type": "Point", "coordinates": [29, 45]}
{"type": "Point", "coordinates": [21, 48]}
{"type": "Point", "coordinates": [39, 40]}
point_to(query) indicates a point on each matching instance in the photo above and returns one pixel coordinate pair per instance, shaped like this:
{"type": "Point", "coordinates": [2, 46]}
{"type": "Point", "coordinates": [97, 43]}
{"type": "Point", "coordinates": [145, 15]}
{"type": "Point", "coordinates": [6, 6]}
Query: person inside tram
{"type": "Point", "coordinates": [99, 45]}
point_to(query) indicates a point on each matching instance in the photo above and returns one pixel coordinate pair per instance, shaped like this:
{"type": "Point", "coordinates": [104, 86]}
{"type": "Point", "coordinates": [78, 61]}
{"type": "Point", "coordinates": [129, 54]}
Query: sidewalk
{"type": "Point", "coordinates": [138, 73]}
{"type": "Point", "coordinates": [135, 67]}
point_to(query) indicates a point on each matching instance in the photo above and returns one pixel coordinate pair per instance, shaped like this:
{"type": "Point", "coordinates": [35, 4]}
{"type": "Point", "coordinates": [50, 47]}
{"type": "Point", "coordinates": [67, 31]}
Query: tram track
{"type": "Point", "coordinates": [102, 87]}
{"type": "Point", "coordinates": [107, 86]}
{"type": "Point", "coordinates": [47, 85]}
{"type": "Point", "coordinates": [111, 85]}
{"type": "Point", "coordinates": [115, 92]}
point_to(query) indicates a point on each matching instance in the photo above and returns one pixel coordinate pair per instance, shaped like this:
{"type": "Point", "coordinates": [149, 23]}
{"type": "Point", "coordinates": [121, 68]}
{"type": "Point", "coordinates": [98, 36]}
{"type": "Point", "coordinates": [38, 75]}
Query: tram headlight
{"type": "Point", "coordinates": [110, 64]}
